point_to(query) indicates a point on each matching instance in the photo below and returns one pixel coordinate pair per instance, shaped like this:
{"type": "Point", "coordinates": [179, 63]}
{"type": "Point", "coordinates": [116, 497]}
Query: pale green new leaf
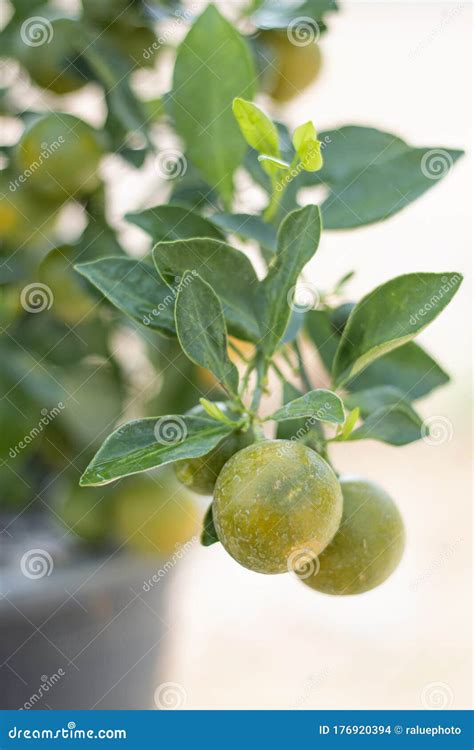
{"type": "Point", "coordinates": [258, 130]}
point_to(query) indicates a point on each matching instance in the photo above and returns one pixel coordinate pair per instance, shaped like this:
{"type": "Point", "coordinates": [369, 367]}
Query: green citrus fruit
{"type": "Point", "coordinates": [52, 56]}
{"type": "Point", "coordinates": [138, 43]}
{"type": "Point", "coordinates": [275, 501]}
{"type": "Point", "coordinates": [297, 67]}
{"type": "Point", "coordinates": [368, 546]}
{"type": "Point", "coordinates": [87, 512]}
{"type": "Point", "coordinates": [154, 515]}
{"type": "Point", "coordinates": [200, 474]}
{"type": "Point", "coordinates": [60, 156]}
{"type": "Point", "coordinates": [71, 301]}
{"type": "Point", "coordinates": [26, 218]}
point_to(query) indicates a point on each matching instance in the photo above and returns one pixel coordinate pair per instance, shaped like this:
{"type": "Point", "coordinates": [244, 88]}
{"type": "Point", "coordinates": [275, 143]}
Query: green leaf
{"type": "Point", "coordinates": [409, 368]}
{"type": "Point", "coordinates": [389, 316]}
{"type": "Point", "coordinates": [396, 425]}
{"type": "Point", "coordinates": [167, 223]}
{"type": "Point", "coordinates": [209, 533]}
{"type": "Point", "coordinates": [248, 227]}
{"type": "Point", "coordinates": [298, 240]}
{"type": "Point", "coordinates": [351, 420]}
{"type": "Point", "coordinates": [135, 288]}
{"type": "Point", "coordinates": [373, 175]}
{"type": "Point", "coordinates": [257, 129]}
{"type": "Point", "coordinates": [215, 412]}
{"type": "Point", "coordinates": [308, 147]}
{"type": "Point", "coordinates": [213, 66]}
{"type": "Point", "coordinates": [147, 443]}
{"type": "Point", "coordinates": [201, 329]}
{"type": "Point", "coordinates": [227, 270]}
{"type": "Point", "coordinates": [319, 405]}
{"type": "Point", "coordinates": [372, 399]}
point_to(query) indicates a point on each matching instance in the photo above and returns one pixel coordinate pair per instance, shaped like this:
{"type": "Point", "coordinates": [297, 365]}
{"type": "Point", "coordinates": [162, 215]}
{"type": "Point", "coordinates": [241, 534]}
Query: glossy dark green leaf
{"type": "Point", "coordinates": [135, 288]}
{"type": "Point", "coordinates": [147, 443]}
{"type": "Point", "coordinates": [396, 425]}
{"type": "Point", "coordinates": [227, 270]}
{"type": "Point", "coordinates": [373, 175]}
{"type": "Point", "coordinates": [372, 399]}
{"type": "Point", "coordinates": [389, 316]}
{"type": "Point", "coordinates": [409, 368]}
{"type": "Point", "coordinates": [248, 227]}
{"type": "Point", "coordinates": [298, 240]}
{"type": "Point", "coordinates": [167, 223]}
{"type": "Point", "coordinates": [201, 329]}
{"type": "Point", "coordinates": [213, 66]}
{"type": "Point", "coordinates": [209, 533]}
{"type": "Point", "coordinates": [320, 405]}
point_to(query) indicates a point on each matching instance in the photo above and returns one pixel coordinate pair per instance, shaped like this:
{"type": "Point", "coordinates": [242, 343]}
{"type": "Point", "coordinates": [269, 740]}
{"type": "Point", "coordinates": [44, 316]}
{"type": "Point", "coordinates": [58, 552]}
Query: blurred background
{"type": "Point", "coordinates": [207, 633]}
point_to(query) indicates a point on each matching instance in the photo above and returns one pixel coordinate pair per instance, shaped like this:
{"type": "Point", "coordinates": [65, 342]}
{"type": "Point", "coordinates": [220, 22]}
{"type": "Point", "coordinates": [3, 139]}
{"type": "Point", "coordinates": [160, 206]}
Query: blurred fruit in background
{"type": "Point", "coordinates": [61, 155]}
{"type": "Point", "coordinates": [57, 66]}
{"type": "Point", "coordinates": [154, 514]}
{"type": "Point", "coordinates": [289, 68]}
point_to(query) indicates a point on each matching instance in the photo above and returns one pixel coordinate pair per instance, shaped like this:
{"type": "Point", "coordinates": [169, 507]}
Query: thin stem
{"type": "Point", "coordinates": [303, 373]}
{"type": "Point", "coordinates": [237, 351]}
{"type": "Point", "coordinates": [261, 368]}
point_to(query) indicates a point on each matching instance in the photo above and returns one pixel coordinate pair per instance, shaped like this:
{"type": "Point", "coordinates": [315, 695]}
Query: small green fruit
{"type": "Point", "coordinates": [200, 474]}
{"type": "Point", "coordinates": [274, 502]}
{"type": "Point", "coordinates": [368, 546]}
{"type": "Point", "coordinates": [60, 154]}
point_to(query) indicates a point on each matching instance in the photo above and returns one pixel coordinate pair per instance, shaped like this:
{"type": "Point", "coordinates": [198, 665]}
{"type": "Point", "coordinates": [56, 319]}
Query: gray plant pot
{"type": "Point", "coordinates": [77, 631]}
